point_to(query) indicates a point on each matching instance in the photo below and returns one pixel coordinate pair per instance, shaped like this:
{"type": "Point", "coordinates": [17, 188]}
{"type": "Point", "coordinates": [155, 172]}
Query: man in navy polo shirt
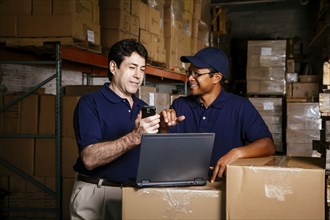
{"type": "Point", "coordinates": [240, 131]}
{"type": "Point", "coordinates": [108, 128]}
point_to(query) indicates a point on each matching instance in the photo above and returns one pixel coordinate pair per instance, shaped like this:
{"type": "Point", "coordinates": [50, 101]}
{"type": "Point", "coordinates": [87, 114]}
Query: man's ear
{"type": "Point", "coordinates": [112, 67]}
{"type": "Point", "coordinates": [217, 77]}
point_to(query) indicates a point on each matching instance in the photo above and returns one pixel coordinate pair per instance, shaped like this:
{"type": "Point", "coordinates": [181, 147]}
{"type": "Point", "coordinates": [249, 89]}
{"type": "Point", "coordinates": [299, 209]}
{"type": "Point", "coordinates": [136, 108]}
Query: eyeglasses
{"type": "Point", "coordinates": [194, 74]}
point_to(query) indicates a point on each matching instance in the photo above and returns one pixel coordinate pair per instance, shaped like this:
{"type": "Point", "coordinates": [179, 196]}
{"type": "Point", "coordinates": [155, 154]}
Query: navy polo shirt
{"type": "Point", "coordinates": [104, 116]}
{"type": "Point", "coordinates": [232, 118]}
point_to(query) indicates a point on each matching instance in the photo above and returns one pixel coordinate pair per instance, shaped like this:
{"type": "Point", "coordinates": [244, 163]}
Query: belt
{"type": "Point", "coordinates": [97, 181]}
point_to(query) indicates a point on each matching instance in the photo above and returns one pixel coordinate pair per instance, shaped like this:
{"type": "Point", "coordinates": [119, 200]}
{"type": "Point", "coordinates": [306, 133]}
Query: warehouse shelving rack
{"type": "Point", "coordinates": [96, 65]}
{"type": "Point", "coordinates": [58, 184]}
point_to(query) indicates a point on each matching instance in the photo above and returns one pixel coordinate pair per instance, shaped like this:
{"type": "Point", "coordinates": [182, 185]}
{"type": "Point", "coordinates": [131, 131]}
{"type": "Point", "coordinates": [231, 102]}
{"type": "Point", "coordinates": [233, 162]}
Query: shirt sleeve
{"type": "Point", "coordinates": [86, 123]}
{"type": "Point", "coordinates": [254, 127]}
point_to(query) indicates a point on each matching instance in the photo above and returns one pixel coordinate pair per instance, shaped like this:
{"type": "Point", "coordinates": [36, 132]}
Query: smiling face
{"type": "Point", "coordinates": [202, 83]}
{"type": "Point", "coordinates": [127, 78]}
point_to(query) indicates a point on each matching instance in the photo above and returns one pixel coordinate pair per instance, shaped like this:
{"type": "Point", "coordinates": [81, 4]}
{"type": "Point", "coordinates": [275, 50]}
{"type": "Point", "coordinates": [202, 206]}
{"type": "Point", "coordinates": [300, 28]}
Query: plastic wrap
{"type": "Point", "coordinates": [197, 202]}
{"type": "Point", "coordinates": [276, 188]}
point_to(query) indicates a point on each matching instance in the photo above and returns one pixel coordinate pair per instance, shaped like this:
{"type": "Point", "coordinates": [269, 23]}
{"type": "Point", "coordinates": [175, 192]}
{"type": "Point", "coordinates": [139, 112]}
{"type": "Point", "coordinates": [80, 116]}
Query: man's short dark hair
{"type": "Point", "coordinates": [125, 48]}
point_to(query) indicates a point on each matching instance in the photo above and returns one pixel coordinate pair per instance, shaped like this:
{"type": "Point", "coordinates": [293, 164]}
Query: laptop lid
{"type": "Point", "coordinates": [174, 159]}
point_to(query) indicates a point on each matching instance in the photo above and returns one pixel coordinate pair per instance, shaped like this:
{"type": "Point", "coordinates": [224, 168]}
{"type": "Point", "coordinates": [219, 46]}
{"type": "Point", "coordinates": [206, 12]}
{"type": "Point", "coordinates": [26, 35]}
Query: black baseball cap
{"type": "Point", "coordinates": [209, 57]}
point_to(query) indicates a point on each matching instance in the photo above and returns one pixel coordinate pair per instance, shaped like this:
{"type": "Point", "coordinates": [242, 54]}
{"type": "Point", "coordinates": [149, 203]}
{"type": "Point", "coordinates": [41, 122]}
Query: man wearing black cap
{"type": "Point", "coordinates": [240, 131]}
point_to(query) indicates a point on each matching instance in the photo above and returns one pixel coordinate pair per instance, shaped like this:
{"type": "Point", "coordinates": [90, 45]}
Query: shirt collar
{"type": "Point", "coordinates": [222, 97]}
{"type": "Point", "coordinates": [217, 103]}
{"type": "Point", "coordinates": [114, 98]}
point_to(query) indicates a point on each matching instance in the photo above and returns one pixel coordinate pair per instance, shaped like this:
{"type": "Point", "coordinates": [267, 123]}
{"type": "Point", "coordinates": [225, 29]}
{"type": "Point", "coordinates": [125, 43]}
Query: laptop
{"type": "Point", "coordinates": [174, 159]}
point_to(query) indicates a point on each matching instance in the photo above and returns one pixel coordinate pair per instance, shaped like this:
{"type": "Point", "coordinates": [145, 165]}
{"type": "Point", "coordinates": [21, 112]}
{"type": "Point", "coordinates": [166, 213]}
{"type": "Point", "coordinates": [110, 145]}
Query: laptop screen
{"type": "Point", "coordinates": [174, 159]}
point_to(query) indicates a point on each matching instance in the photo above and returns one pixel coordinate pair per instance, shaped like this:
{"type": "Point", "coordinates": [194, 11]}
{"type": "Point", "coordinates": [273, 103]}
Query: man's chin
{"type": "Point", "coordinates": [193, 92]}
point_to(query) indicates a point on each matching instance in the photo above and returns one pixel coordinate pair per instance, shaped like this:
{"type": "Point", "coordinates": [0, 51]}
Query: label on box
{"type": "Point", "coordinates": [151, 98]}
{"type": "Point", "coordinates": [268, 106]}
{"type": "Point", "coordinates": [266, 51]}
{"type": "Point", "coordinates": [90, 36]}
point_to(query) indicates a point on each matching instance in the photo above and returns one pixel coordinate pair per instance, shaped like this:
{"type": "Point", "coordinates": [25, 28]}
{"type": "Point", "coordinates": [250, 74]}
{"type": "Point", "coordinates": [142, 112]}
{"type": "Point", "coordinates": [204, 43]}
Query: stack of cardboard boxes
{"type": "Point", "coordinates": [265, 72]}
{"type": "Point", "coordinates": [35, 156]}
{"type": "Point", "coordinates": [167, 28]}
{"type": "Point", "coordinates": [27, 22]}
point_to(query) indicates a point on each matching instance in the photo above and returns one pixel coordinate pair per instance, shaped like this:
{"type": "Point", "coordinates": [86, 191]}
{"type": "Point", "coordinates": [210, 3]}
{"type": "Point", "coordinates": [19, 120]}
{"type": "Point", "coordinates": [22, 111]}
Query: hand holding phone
{"type": "Point", "coordinates": [148, 110]}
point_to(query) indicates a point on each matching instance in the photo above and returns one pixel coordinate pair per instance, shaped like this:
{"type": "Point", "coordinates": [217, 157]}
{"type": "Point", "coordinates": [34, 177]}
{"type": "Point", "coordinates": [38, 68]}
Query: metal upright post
{"type": "Point", "coordinates": [58, 132]}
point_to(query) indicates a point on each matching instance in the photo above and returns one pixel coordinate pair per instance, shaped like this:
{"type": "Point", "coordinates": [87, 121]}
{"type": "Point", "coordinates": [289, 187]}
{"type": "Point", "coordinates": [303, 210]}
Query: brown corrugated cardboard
{"type": "Point", "coordinates": [139, 8]}
{"type": "Point", "coordinates": [134, 25]}
{"type": "Point", "coordinates": [115, 19]}
{"type": "Point", "coordinates": [19, 152]}
{"type": "Point", "coordinates": [152, 23]}
{"type": "Point", "coordinates": [44, 163]}
{"type": "Point", "coordinates": [21, 118]}
{"type": "Point", "coordinates": [29, 115]}
{"type": "Point", "coordinates": [78, 90]}
{"type": "Point", "coordinates": [8, 24]}
{"type": "Point", "coordinates": [202, 202]}
{"type": "Point", "coordinates": [47, 114]}
{"type": "Point", "coordinates": [81, 8]}
{"type": "Point", "coordinates": [69, 156]}
{"type": "Point", "coordinates": [66, 195]}
{"type": "Point", "coordinates": [302, 90]}
{"type": "Point", "coordinates": [69, 104]}
{"type": "Point", "coordinates": [144, 91]}
{"type": "Point", "coordinates": [52, 26]}
{"type": "Point", "coordinates": [42, 7]}
{"type": "Point", "coordinates": [276, 188]}
{"type": "Point", "coordinates": [116, 4]}
{"type": "Point", "coordinates": [145, 39]}
{"type": "Point", "coordinates": [37, 198]}
{"type": "Point", "coordinates": [16, 7]}
{"type": "Point", "coordinates": [111, 36]}
{"type": "Point", "coordinates": [17, 197]}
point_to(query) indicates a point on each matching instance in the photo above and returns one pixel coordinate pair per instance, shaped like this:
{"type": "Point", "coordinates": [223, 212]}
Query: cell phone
{"type": "Point", "coordinates": [148, 110]}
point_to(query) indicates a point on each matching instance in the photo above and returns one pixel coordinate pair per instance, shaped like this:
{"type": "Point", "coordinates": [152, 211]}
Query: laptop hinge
{"type": "Point", "coordinates": [199, 180]}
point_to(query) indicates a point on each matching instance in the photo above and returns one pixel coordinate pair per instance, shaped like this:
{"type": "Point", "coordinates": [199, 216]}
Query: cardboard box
{"type": "Point", "coordinates": [276, 188]}
{"type": "Point", "coordinates": [274, 87]}
{"type": "Point", "coordinates": [140, 9]}
{"type": "Point", "coordinates": [17, 197]}
{"type": "Point", "coordinates": [69, 156]}
{"type": "Point", "coordinates": [16, 7]}
{"type": "Point", "coordinates": [302, 90]}
{"type": "Point", "coordinates": [66, 195]}
{"type": "Point", "coordinates": [326, 73]}
{"type": "Point", "coordinates": [69, 105]}
{"type": "Point", "coordinates": [80, 8]}
{"type": "Point", "coordinates": [21, 118]}
{"type": "Point", "coordinates": [44, 163]}
{"type": "Point", "coordinates": [52, 26]}
{"type": "Point", "coordinates": [116, 4]}
{"type": "Point", "coordinates": [144, 92]}
{"type": "Point", "coordinates": [290, 65]}
{"type": "Point", "coordinates": [47, 111]}
{"type": "Point", "coordinates": [8, 25]}
{"type": "Point", "coordinates": [18, 152]}
{"type": "Point", "coordinates": [265, 73]}
{"type": "Point", "coordinates": [324, 102]}
{"type": "Point", "coordinates": [152, 22]}
{"type": "Point", "coordinates": [134, 25]}
{"type": "Point", "coordinates": [41, 7]}
{"type": "Point", "coordinates": [115, 19]}
{"type": "Point", "coordinates": [198, 202]}
{"type": "Point", "coordinates": [111, 36]}
{"type": "Point", "coordinates": [79, 90]}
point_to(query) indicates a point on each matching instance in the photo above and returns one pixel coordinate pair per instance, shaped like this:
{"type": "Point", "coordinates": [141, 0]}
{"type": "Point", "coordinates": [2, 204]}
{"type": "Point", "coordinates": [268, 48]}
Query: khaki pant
{"type": "Point", "coordinates": [93, 202]}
